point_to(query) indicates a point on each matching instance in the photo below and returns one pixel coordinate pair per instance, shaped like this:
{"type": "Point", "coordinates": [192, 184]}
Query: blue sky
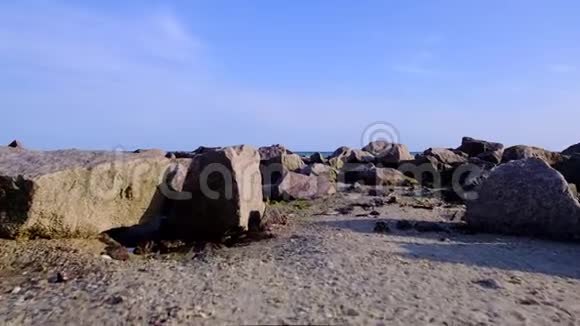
{"type": "Point", "coordinates": [308, 74]}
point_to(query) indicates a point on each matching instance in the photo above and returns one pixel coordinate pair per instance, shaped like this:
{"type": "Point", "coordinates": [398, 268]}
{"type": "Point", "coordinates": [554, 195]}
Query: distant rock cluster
{"type": "Point", "coordinates": [208, 192]}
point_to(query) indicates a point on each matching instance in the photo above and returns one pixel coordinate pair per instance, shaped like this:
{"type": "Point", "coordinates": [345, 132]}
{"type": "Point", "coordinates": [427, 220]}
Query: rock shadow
{"type": "Point", "coordinates": [461, 246]}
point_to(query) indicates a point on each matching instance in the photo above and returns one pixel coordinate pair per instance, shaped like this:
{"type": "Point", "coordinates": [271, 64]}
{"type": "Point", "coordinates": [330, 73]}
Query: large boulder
{"type": "Point", "coordinates": [390, 177]}
{"type": "Point", "coordinates": [572, 149]}
{"type": "Point", "coordinates": [520, 152]}
{"type": "Point", "coordinates": [445, 158]}
{"type": "Point", "coordinates": [205, 149]}
{"type": "Point", "coordinates": [525, 197]}
{"type": "Point", "coordinates": [317, 158]}
{"type": "Point", "coordinates": [368, 174]}
{"type": "Point", "coordinates": [569, 167]}
{"type": "Point", "coordinates": [299, 186]}
{"type": "Point", "coordinates": [320, 170]}
{"type": "Point", "coordinates": [345, 155]}
{"type": "Point", "coordinates": [355, 173]}
{"type": "Point", "coordinates": [388, 154]}
{"type": "Point", "coordinates": [484, 150]}
{"type": "Point", "coordinates": [273, 151]}
{"type": "Point", "coordinates": [435, 167]}
{"type": "Point", "coordinates": [225, 188]}
{"type": "Point", "coordinates": [276, 160]}
{"type": "Point", "coordinates": [72, 193]}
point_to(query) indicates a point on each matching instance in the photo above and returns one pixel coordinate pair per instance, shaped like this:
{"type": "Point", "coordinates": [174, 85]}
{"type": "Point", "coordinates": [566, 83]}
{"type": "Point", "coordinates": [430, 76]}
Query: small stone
{"type": "Point", "coordinates": [60, 277]}
{"type": "Point", "coordinates": [114, 300]}
{"type": "Point", "coordinates": [392, 200]}
{"type": "Point", "coordinates": [16, 290]}
{"type": "Point", "coordinates": [106, 257]}
{"type": "Point", "coordinates": [374, 213]}
{"type": "Point", "coordinates": [118, 252]}
{"type": "Point", "coordinates": [351, 312]}
{"type": "Point", "coordinates": [515, 280]}
{"type": "Point", "coordinates": [345, 210]}
{"type": "Point", "coordinates": [528, 302]}
{"type": "Point", "coordinates": [202, 315]}
{"type": "Point", "coordinates": [488, 284]}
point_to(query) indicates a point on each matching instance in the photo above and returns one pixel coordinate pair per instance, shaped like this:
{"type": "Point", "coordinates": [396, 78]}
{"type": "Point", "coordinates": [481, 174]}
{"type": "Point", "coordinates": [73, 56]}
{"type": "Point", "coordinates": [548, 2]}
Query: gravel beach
{"type": "Point", "coordinates": [318, 269]}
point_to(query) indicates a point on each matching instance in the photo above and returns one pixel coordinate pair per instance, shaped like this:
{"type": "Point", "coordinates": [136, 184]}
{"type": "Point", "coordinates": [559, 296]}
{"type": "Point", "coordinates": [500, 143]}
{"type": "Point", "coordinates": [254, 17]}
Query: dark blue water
{"type": "Point", "coordinates": [325, 154]}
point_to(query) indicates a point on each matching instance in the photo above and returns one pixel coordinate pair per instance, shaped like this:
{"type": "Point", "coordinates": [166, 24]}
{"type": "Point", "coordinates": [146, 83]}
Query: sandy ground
{"type": "Point", "coordinates": [320, 269]}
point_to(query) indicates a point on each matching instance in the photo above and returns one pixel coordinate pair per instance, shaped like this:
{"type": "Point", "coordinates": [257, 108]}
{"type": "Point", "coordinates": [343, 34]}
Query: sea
{"type": "Point", "coordinates": [325, 154]}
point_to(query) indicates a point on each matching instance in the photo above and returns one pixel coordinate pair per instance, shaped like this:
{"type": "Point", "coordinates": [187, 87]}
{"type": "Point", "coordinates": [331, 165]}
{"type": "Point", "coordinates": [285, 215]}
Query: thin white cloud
{"type": "Point", "coordinates": [62, 37]}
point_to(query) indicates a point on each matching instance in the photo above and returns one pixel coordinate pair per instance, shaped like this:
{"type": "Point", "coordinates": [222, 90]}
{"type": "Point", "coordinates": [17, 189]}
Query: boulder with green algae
{"type": "Point", "coordinates": [73, 193]}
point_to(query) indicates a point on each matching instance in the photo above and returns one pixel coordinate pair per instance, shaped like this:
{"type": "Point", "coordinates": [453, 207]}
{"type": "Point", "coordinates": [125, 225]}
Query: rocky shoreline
{"type": "Point", "coordinates": [77, 221]}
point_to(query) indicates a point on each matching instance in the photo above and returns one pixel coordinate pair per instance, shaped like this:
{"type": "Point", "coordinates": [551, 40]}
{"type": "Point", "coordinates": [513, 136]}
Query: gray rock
{"type": "Point", "coordinates": [317, 158]}
{"type": "Point", "coordinates": [572, 149]}
{"type": "Point", "coordinates": [226, 193]}
{"type": "Point", "coordinates": [390, 177]}
{"type": "Point", "coordinates": [388, 154]}
{"type": "Point", "coordinates": [435, 167]}
{"type": "Point", "coordinates": [356, 173]}
{"type": "Point", "coordinates": [344, 155]}
{"type": "Point", "coordinates": [446, 158]}
{"type": "Point", "coordinates": [487, 151]}
{"type": "Point", "coordinates": [569, 166]}
{"type": "Point", "coordinates": [525, 197]}
{"type": "Point", "coordinates": [276, 160]}
{"type": "Point", "coordinates": [368, 174]}
{"type": "Point", "coordinates": [520, 152]}
{"type": "Point", "coordinates": [299, 186]}
{"type": "Point", "coordinates": [72, 193]}
{"type": "Point", "coordinates": [320, 170]}
{"type": "Point", "coordinates": [273, 151]}
{"type": "Point", "coordinates": [204, 149]}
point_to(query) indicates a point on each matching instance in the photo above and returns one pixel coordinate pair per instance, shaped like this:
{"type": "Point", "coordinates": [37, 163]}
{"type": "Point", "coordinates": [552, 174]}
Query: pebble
{"type": "Point", "coordinates": [528, 302]}
{"type": "Point", "coordinates": [114, 300]}
{"type": "Point", "coordinates": [351, 312]}
{"type": "Point", "coordinates": [16, 290]}
{"type": "Point", "coordinates": [61, 277]}
{"type": "Point", "coordinates": [118, 253]}
{"type": "Point", "coordinates": [488, 284]}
